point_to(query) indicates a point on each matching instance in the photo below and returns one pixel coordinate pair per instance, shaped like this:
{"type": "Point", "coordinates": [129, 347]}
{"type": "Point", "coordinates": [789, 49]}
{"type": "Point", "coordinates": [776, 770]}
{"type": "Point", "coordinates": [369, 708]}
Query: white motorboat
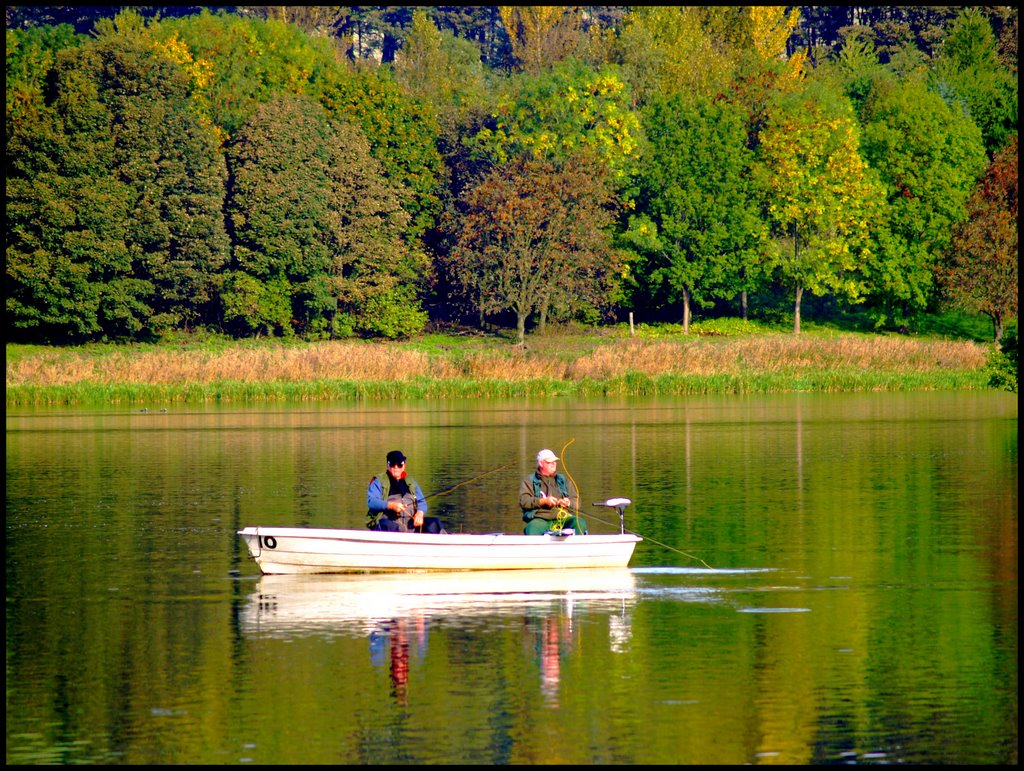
{"type": "Point", "coordinates": [319, 550]}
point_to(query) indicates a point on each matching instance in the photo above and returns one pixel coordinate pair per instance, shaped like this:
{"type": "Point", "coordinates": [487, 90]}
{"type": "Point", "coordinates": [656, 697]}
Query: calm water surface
{"type": "Point", "coordinates": [825, 579]}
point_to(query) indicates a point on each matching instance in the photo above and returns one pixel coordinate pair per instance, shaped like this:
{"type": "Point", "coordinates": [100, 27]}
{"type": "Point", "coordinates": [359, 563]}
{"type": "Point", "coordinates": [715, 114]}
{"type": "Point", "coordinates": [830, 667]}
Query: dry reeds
{"type": "Point", "coordinates": [774, 354]}
{"type": "Point", "coordinates": [382, 362]}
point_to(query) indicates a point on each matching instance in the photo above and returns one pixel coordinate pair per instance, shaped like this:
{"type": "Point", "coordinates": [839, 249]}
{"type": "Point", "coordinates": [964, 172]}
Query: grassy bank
{"type": "Point", "coordinates": [604, 362]}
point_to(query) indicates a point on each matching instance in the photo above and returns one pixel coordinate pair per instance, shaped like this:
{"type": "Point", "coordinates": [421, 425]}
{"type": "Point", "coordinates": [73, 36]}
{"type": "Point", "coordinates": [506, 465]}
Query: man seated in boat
{"type": "Point", "coordinates": [548, 499]}
{"type": "Point", "coordinates": [396, 503]}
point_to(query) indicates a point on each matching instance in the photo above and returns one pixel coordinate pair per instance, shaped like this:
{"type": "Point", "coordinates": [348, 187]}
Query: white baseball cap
{"type": "Point", "coordinates": [546, 455]}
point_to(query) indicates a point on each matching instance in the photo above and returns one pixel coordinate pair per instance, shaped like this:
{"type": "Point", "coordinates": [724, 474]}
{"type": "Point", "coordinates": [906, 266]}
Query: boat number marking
{"type": "Point", "coordinates": [267, 540]}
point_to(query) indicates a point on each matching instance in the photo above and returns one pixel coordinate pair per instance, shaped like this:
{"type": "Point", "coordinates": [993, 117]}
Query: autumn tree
{"type": "Point", "coordinates": [533, 239]}
{"type": "Point", "coordinates": [542, 34]}
{"type": "Point", "coordinates": [659, 46]}
{"type": "Point", "coordinates": [822, 195]}
{"type": "Point", "coordinates": [980, 275]}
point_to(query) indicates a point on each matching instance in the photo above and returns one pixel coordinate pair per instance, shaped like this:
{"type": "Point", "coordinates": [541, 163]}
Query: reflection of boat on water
{"type": "Point", "coordinates": [296, 604]}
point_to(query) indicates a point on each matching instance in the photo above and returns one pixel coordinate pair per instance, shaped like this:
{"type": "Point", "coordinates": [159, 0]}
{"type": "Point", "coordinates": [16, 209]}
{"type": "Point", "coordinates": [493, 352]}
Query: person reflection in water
{"type": "Point", "coordinates": [550, 663]}
{"type": "Point", "coordinates": [553, 638]}
{"type": "Point", "coordinates": [394, 639]}
{"type": "Point", "coordinates": [400, 666]}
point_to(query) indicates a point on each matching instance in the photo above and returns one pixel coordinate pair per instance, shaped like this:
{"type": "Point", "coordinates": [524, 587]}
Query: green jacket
{"type": "Point", "coordinates": [533, 481]}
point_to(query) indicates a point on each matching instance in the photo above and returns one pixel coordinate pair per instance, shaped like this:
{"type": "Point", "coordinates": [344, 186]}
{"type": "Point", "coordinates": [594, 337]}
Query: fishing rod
{"type": "Point", "coordinates": [456, 486]}
{"type": "Point", "coordinates": [452, 488]}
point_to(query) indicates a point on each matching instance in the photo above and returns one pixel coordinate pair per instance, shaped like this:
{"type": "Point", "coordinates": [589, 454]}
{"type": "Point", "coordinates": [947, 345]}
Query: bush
{"type": "Point", "coordinates": [394, 315]}
{"type": "Point", "coordinates": [1002, 363]}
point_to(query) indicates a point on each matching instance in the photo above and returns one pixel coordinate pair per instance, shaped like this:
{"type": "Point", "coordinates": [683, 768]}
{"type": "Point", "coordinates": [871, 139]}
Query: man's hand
{"type": "Point", "coordinates": [417, 520]}
{"type": "Point", "coordinates": [396, 506]}
{"type": "Point", "coordinates": [550, 503]}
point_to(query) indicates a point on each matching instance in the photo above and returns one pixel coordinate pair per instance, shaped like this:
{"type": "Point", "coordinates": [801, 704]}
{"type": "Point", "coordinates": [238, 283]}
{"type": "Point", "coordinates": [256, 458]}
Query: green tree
{"type": "Point", "coordinates": [968, 68]}
{"type": "Point", "coordinates": [317, 227]}
{"type": "Point", "coordinates": [696, 220]}
{"type": "Point", "coordinates": [31, 61]}
{"type": "Point", "coordinates": [533, 238]}
{"type": "Point", "coordinates": [1002, 363]}
{"type": "Point", "coordinates": [68, 264]}
{"type": "Point", "coordinates": [238, 63]}
{"type": "Point", "coordinates": [402, 133]}
{"type": "Point", "coordinates": [927, 156]}
{"type": "Point", "coordinates": [980, 275]}
{"type": "Point", "coordinates": [822, 195]}
{"type": "Point", "coordinates": [438, 68]}
{"type": "Point", "coordinates": [117, 191]}
{"type": "Point", "coordinates": [561, 112]}
{"type": "Point", "coordinates": [170, 158]}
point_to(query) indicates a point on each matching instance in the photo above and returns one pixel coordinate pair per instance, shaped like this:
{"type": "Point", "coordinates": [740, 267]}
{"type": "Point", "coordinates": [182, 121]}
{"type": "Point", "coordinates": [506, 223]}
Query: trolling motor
{"type": "Point", "coordinates": [619, 504]}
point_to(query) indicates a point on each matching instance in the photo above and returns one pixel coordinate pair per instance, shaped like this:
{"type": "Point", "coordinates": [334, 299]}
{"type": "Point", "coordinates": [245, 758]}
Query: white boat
{"type": "Point", "coordinates": [301, 604]}
{"type": "Point", "coordinates": [318, 550]}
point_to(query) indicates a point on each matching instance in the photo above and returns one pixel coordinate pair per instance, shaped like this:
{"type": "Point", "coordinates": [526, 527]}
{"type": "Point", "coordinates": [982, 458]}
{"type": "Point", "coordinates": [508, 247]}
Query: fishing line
{"type": "Point", "coordinates": [648, 538]}
{"type": "Point", "coordinates": [563, 515]}
{"type": "Point", "coordinates": [565, 468]}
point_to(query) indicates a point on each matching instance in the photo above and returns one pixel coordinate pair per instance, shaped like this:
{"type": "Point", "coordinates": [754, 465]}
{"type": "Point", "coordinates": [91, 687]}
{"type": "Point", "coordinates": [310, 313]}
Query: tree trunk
{"type": "Point", "coordinates": [997, 322]}
{"type": "Point", "coordinates": [686, 311]}
{"type": "Point", "coordinates": [521, 327]}
{"type": "Point", "coordinates": [796, 311]}
{"type": "Point", "coordinates": [743, 304]}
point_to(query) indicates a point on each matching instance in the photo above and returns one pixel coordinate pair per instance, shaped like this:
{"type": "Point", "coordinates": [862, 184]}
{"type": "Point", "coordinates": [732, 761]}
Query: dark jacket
{"type": "Point", "coordinates": [377, 500]}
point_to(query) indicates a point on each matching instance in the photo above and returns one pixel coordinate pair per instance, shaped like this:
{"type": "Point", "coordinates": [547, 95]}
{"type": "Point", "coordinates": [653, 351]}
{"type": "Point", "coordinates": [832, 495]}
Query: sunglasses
{"type": "Point", "coordinates": [397, 465]}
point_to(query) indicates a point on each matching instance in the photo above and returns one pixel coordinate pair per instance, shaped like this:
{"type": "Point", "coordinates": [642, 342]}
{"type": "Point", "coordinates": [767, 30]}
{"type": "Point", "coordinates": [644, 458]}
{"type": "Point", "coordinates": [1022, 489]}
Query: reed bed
{"type": "Point", "coordinates": [355, 370]}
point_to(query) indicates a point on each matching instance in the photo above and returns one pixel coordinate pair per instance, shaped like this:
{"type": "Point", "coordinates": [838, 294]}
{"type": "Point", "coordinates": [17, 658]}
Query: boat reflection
{"type": "Point", "coordinates": [296, 605]}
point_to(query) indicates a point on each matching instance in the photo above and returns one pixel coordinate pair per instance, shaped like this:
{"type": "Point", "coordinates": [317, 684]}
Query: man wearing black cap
{"type": "Point", "coordinates": [396, 503]}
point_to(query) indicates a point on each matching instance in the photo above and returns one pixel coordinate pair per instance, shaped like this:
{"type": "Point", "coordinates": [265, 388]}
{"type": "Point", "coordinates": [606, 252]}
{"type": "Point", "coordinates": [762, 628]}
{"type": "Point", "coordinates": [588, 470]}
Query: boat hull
{"type": "Point", "coordinates": [298, 550]}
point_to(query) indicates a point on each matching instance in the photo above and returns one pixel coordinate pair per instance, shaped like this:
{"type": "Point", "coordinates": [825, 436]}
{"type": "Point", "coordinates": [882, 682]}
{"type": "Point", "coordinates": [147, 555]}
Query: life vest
{"type": "Point", "coordinates": [559, 480]}
{"type": "Point", "coordinates": [373, 517]}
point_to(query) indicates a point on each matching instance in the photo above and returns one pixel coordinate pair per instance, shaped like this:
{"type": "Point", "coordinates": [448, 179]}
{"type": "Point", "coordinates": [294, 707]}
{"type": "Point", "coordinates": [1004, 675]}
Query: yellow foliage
{"type": "Point", "coordinates": [541, 34]}
{"type": "Point", "coordinates": [770, 28]}
{"type": "Point", "coordinates": [200, 74]}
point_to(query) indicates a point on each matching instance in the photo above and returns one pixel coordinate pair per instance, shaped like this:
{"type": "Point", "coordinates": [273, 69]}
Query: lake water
{"type": "Point", "coordinates": [824, 579]}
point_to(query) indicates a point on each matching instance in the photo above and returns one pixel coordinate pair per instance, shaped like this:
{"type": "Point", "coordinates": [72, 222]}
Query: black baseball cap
{"type": "Point", "coordinates": [396, 458]}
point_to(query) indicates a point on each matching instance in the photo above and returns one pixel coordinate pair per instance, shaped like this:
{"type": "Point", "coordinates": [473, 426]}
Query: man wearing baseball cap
{"type": "Point", "coordinates": [396, 503]}
{"type": "Point", "coordinates": [546, 496]}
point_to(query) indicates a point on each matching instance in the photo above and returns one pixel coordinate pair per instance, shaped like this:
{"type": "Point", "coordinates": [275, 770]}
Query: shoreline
{"type": "Point", "coordinates": [555, 366]}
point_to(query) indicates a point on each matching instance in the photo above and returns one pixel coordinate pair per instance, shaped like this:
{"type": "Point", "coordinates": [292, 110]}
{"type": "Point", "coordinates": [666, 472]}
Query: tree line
{"type": "Point", "coordinates": [326, 172]}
